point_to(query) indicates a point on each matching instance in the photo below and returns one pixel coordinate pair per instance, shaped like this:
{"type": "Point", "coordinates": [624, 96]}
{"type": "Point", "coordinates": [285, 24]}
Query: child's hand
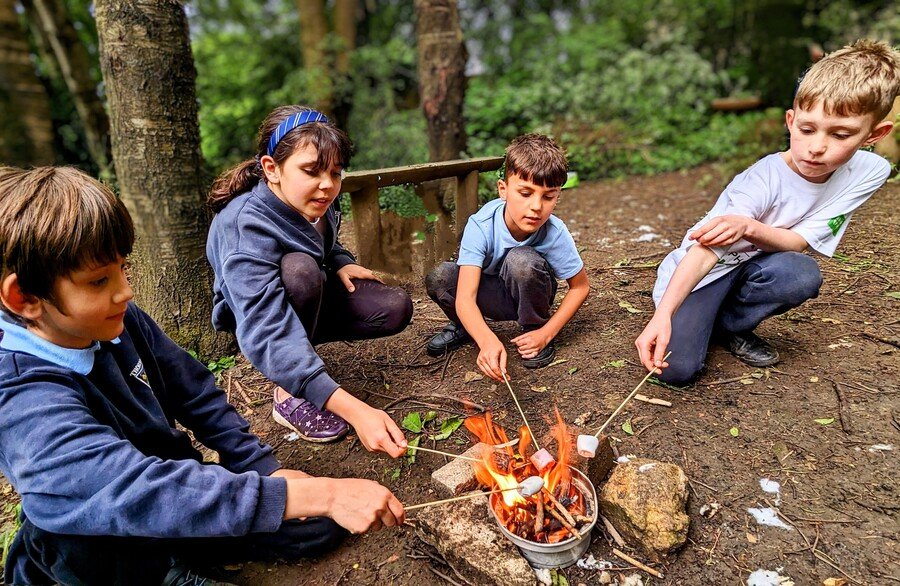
{"type": "Point", "coordinates": [531, 343]}
{"type": "Point", "coordinates": [363, 505]}
{"type": "Point", "coordinates": [353, 271]}
{"type": "Point", "coordinates": [378, 433]}
{"type": "Point", "coordinates": [652, 343]}
{"type": "Point", "coordinates": [721, 231]}
{"type": "Point", "coordinates": [492, 359]}
{"type": "Point", "coordinates": [289, 473]}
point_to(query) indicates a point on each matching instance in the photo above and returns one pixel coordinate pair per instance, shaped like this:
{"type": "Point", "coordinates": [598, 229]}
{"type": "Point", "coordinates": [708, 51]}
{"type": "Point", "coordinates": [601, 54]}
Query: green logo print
{"type": "Point", "coordinates": [836, 222]}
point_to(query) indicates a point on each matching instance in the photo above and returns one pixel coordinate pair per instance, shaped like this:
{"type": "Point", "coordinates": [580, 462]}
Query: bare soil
{"type": "Point", "coordinates": [734, 427]}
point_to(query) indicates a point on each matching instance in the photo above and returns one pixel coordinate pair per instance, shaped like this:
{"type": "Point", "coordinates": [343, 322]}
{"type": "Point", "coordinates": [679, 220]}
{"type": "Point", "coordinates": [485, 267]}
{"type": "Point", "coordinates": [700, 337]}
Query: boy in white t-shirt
{"type": "Point", "coordinates": [742, 262]}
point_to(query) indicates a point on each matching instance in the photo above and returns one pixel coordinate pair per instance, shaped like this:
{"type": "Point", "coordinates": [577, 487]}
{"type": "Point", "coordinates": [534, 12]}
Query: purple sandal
{"type": "Point", "coordinates": [310, 423]}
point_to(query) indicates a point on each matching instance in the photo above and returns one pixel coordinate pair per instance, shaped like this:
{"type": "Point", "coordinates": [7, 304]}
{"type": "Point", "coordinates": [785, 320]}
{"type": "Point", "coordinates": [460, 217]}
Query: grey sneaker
{"type": "Point", "coordinates": [751, 349]}
{"type": "Point", "coordinates": [183, 576]}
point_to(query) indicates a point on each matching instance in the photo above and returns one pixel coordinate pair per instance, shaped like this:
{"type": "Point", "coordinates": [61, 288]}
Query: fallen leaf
{"type": "Point", "coordinates": [825, 421]}
{"type": "Point", "coordinates": [756, 375]}
{"type": "Point", "coordinates": [629, 307]}
{"type": "Point", "coordinates": [813, 379]}
{"type": "Point", "coordinates": [573, 370]}
{"type": "Point", "coordinates": [555, 362]}
{"type": "Point", "coordinates": [448, 426]}
{"type": "Point", "coordinates": [734, 432]}
{"type": "Point", "coordinates": [616, 363]}
{"type": "Point", "coordinates": [412, 422]}
{"type": "Point", "coordinates": [747, 381]}
{"type": "Point", "coordinates": [391, 559]}
{"type": "Point", "coordinates": [583, 418]}
{"type": "Point", "coordinates": [471, 375]}
{"type": "Point", "coordinates": [893, 294]}
{"type": "Point", "coordinates": [626, 427]}
{"type": "Point", "coordinates": [828, 320]}
{"type": "Point", "coordinates": [751, 538]}
{"type": "Point", "coordinates": [834, 582]}
{"type": "Point", "coordinates": [537, 390]}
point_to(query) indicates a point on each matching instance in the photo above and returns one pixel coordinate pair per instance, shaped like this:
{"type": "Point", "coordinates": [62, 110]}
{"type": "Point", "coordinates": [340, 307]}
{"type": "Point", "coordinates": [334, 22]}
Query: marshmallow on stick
{"type": "Point", "coordinates": [542, 460]}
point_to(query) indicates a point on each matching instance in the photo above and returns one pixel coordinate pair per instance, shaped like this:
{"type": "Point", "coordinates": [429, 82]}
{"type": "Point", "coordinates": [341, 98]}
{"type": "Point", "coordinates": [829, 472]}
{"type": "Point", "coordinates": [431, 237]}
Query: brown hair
{"type": "Point", "coordinates": [536, 158]}
{"type": "Point", "coordinates": [55, 220]}
{"type": "Point", "coordinates": [862, 78]}
{"type": "Point", "coordinates": [332, 143]}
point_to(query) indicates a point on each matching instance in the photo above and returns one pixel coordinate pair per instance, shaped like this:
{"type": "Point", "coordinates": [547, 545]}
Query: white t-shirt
{"type": "Point", "coordinates": [774, 194]}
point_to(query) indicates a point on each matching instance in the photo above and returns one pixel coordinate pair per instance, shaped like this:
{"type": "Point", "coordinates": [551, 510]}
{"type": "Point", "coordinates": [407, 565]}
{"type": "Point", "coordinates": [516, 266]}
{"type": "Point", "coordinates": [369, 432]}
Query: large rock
{"type": "Point", "coordinates": [469, 540]}
{"type": "Point", "coordinates": [645, 501]}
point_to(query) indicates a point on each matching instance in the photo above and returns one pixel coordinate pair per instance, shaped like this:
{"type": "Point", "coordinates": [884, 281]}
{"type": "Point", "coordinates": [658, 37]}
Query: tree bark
{"type": "Point", "coordinates": [345, 12]}
{"type": "Point", "coordinates": [26, 128]}
{"type": "Point", "coordinates": [52, 20]}
{"type": "Point", "coordinates": [313, 29]}
{"type": "Point", "coordinates": [146, 60]}
{"type": "Point", "coordinates": [442, 80]}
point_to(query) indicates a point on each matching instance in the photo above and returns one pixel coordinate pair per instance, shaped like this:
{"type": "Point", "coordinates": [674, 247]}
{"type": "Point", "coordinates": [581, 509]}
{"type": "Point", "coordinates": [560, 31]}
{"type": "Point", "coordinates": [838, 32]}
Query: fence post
{"type": "Point", "coordinates": [466, 199]}
{"type": "Point", "coordinates": [367, 221]}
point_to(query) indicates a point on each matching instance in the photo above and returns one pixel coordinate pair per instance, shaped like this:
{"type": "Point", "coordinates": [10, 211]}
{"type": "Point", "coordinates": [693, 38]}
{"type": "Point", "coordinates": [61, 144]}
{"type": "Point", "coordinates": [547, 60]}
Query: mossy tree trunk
{"type": "Point", "coordinates": [26, 128]}
{"type": "Point", "coordinates": [146, 60]}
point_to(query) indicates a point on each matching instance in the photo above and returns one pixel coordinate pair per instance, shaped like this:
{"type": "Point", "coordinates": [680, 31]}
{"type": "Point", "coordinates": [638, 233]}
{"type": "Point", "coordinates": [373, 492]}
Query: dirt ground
{"type": "Point", "coordinates": [736, 426]}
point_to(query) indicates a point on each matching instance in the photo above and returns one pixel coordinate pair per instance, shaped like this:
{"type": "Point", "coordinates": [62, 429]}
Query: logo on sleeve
{"type": "Point", "coordinates": [836, 222]}
{"type": "Point", "coordinates": [139, 373]}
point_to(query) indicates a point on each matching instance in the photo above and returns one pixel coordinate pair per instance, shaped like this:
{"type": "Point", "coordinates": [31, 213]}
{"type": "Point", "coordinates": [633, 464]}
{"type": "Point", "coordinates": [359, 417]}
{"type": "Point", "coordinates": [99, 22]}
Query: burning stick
{"type": "Point", "coordinates": [559, 508]}
{"type": "Point", "coordinates": [529, 487]}
{"type": "Point", "coordinates": [564, 522]}
{"type": "Point", "coordinates": [585, 442]}
{"type": "Point", "coordinates": [539, 516]}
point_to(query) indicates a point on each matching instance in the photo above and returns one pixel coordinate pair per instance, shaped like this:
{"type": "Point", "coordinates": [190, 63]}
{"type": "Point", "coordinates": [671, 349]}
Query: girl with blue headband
{"type": "Point", "coordinates": [283, 282]}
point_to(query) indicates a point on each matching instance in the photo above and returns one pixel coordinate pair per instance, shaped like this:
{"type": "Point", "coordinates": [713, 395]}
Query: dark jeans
{"type": "Point", "coordinates": [767, 285]}
{"type": "Point", "coordinates": [330, 313]}
{"type": "Point", "coordinates": [41, 557]}
{"type": "Point", "coordinates": [522, 291]}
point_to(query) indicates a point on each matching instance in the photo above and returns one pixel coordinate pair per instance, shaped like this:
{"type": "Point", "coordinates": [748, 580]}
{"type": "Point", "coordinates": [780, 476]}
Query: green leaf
{"type": "Point", "coordinates": [825, 421]}
{"type": "Point", "coordinates": [622, 263]}
{"type": "Point", "coordinates": [412, 422]}
{"type": "Point", "coordinates": [395, 473]}
{"type": "Point", "coordinates": [411, 454]}
{"type": "Point", "coordinates": [573, 370]}
{"type": "Point", "coordinates": [626, 427]}
{"type": "Point", "coordinates": [893, 294]}
{"type": "Point", "coordinates": [616, 363]}
{"type": "Point", "coordinates": [448, 426]}
{"type": "Point", "coordinates": [734, 432]}
{"type": "Point", "coordinates": [629, 307]}
{"type": "Point", "coordinates": [431, 218]}
{"type": "Point", "coordinates": [429, 416]}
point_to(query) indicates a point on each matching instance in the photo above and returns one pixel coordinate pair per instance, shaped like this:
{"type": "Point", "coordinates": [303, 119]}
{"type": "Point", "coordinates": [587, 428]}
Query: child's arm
{"type": "Point", "coordinates": [491, 353]}
{"type": "Point", "coordinates": [357, 505]}
{"type": "Point", "coordinates": [726, 230]}
{"type": "Point", "coordinates": [652, 342]}
{"type": "Point", "coordinates": [531, 343]}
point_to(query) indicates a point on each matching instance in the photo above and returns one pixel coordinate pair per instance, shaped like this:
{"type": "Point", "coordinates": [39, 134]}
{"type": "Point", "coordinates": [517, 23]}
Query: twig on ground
{"type": "Point", "coordinates": [841, 407]}
{"type": "Point", "coordinates": [444, 576]}
{"type": "Point", "coordinates": [228, 389]}
{"type": "Point", "coordinates": [243, 394]}
{"type": "Point", "coordinates": [634, 562]}
{"type": "Point", "coordinates": [704, 485]}
{"type": "Point", "coordinates": [652, 400]}
{"type": "Point", "coordinates": [724, 381]}
{"type": "Point", "coordinates": [446, 364]}
{"type": "Point", "coordinates": [612, 531]}
{"type": "Point", "coordinates": [894, 343]}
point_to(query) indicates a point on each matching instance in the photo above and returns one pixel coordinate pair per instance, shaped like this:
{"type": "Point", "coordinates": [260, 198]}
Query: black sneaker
{"type": "Point", "coordinates": [183, 576]}
{"type": "Point", "coordinates": [543, 358]}
{"type": "Point", "coordinates": [750, 349]}
{"type": "Point", "coordinates": [450, 338]}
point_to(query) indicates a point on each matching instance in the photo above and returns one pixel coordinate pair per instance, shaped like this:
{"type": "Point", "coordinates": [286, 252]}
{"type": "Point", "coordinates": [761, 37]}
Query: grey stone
{"type": "Point", "coordinates": [645, 501]}
{"type": "Point", "coordinates": [469, 539]}
{"type": "Point", "coordinates": [457, 476]}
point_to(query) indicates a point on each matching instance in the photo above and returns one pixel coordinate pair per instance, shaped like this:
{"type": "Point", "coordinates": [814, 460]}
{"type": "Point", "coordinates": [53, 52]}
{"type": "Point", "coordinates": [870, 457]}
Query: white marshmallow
{"type": "Point", "coordinates": [531, 486]}
{"type": "Point", "coordinates": [542, 460]}
{"type": "Point", "coordinates": [587, 445]}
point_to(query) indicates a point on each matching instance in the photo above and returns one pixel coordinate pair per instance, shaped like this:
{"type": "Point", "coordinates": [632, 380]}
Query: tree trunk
{"type": "Point", "coordinates": [442, 80]}
{"type": "Point", "coordinates": [345, 12]}
{"type": "Point", "coordinates": [313, 30]}
{"type": "Point", "coordinates": [146, 60]}
{"type": "Point", "coordinates": [26, 129]}
{"type": "Point", "coordinates": [52, 20]}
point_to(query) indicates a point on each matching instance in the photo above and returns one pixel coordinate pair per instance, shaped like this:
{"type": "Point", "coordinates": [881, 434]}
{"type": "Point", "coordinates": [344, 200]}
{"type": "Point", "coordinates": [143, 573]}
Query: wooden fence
{"type": "Point", "coordinates": [383, 240]}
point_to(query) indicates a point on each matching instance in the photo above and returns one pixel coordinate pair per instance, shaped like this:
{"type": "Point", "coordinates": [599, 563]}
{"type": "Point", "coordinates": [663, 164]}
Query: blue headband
{"type": "Point", "coordinates": [292, 122]}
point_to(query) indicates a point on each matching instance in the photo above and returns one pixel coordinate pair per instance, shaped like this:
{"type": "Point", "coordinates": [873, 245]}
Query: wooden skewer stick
{"type": "Point", "coordinates": [460, 456]}
{"type": "Point", "coordinates": [636, 563]}
{"type": "Point", "coordinates": [460, 498]}
{"type": "Point", "coordinates": [628, 398]}
{"type": "Point", "coordinates": [522, 413]}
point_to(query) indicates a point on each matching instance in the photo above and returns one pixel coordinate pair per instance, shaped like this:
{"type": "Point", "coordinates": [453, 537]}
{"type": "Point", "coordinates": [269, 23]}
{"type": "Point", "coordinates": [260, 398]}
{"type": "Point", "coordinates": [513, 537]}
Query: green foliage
{"type": "Point", "coordinates": [10, 529]}
{"type": "Point", "coordinates": [218, 366]}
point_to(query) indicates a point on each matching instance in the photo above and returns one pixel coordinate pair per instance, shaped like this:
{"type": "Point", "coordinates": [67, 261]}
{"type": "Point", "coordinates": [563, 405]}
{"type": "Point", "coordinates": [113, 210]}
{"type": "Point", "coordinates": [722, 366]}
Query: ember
{"type": "Point", "coordinates": [554, 514]}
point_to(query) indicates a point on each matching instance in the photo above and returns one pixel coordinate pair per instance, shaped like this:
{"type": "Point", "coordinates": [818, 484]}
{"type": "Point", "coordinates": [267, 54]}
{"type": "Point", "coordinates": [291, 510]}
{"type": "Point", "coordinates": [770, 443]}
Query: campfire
{"type": "Point", "coordinates": [562, 510]}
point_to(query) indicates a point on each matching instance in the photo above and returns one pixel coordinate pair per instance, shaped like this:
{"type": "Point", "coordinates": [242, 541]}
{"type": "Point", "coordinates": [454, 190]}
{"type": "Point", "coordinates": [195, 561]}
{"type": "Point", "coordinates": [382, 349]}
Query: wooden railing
{"type": "Point", "coordinates": [383, 241]}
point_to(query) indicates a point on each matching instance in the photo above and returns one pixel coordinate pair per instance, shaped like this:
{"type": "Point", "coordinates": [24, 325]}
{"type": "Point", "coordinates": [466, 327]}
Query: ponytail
{"type": "Point", "coordinates": [233, 182]}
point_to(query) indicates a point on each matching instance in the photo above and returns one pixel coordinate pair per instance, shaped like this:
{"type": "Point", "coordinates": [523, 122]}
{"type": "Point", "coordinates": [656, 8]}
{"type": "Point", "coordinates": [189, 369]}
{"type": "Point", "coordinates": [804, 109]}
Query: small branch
{"type": "Point", "coordinates": [893, 343]}
{"type": "Point", "coordinates": [636, 563]}
{"type": "Point", "coordinates": [841, 407]}
{"type": "Point", "coordinates": [612, 531]}
{"type": "Point", "coordinates": [652, 401]}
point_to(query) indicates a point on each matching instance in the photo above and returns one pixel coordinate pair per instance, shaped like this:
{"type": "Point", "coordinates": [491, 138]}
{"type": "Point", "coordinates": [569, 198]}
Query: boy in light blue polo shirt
{"type": "Point", "coordinates": [513, 250]}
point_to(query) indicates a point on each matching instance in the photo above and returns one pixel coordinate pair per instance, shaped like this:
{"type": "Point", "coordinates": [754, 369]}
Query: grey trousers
{"type": "Point", "coordinates": [766, 285]}
{"type": "Point", "coordinates": [523, 290]}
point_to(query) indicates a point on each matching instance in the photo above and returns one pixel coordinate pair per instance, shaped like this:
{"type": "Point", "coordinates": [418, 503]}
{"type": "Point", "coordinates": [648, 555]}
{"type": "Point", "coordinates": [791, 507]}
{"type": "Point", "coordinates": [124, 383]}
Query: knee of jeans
{"type": "Point", "coordinates": [300, 271]}
{"type": "Point", "coordinates": [680, 373]}
{"type": "Point", "coordinates": [799, 279]}
{"type": "Point", "coordinates": [441, 279]}
{"type": "Point", "coordinates": [523, 262]}
{"type": "Point", "coordinates": [398, 308]}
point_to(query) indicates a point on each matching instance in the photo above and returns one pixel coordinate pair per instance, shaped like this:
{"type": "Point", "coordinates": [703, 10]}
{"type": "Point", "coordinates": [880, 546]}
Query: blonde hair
{"type": "Point", "coordinates": [536, 158]}
{"type": "Point", "coordinates": [862, 78]}
{"type": "Point", "coordinates": [56, 220]}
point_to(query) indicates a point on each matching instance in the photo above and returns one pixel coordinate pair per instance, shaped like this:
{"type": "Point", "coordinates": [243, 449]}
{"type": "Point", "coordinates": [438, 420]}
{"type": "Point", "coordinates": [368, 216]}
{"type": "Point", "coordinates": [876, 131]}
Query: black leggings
{"type": "Point", "coordinates": [330, 313]}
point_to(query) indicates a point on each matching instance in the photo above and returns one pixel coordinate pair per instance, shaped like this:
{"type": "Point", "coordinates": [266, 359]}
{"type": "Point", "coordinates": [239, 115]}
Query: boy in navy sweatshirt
{"type": "Point", "coordinates": [90, 393]}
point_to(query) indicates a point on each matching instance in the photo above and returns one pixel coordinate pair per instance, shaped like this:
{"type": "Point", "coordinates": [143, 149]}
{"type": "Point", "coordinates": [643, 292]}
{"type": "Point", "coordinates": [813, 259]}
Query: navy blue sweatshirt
{"type": "Point", "coordinates": [246, 243]}
{"type": "Point", "coordinates": [88, 439]}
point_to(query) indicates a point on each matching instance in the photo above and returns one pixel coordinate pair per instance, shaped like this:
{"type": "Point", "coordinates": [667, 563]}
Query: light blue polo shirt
{"type": "Point", "coordinates": [486, 242]}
